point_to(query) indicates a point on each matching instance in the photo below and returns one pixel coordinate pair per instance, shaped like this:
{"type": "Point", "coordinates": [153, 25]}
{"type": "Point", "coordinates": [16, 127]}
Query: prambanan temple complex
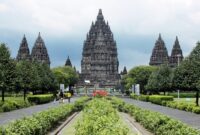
{"type": "Point", "coordinates": [160, 54]}
{"type": "Point", "coordinates": [99, 64]}
{"type": "Point", "coordinates": [39, 52]}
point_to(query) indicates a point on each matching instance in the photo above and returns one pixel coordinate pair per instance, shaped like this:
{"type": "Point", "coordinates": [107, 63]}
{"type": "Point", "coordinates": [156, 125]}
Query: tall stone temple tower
{"type": "Point", "coordinates": [39, 51]}
{"type": "Point", "coordinates": [23, 52]}
{"type": "Point", "coordinates": [159, 54]}
{"type": "Point", "coordinates": [99, 62]}
{"type": "Point", "coordinates": [176, 54]}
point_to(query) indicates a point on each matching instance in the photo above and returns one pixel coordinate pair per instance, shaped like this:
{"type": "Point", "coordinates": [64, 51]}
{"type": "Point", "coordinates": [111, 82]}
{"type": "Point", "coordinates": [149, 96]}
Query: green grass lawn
{"type": "Point", "coordinates": [185, 100]}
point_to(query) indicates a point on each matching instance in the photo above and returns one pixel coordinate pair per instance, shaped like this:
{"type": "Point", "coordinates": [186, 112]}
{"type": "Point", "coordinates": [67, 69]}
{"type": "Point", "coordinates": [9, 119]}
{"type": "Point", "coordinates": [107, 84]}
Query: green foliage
{"type": "Point", "coordinates": [7, 70]}
{"type": "Point", "coordinates": [79, 104]}
{"type": "Point", "coordinates": [12, 104]}
{"type": "Point", "coordinates": [158, 99]}
{"type": "Point", "coordinates": [40, 99]}
{"type": "Point", "coordinates": [158, 123]}
{"type": "Point", "coordinates": [187, 75]}
{"type": "Point", "coordinates": [140, 97]}
{"type": "Point", "coordinates": [40, 123]}
{"type": "Point", "coordinates": [160, 80]}
{"type": "Point", "coordinates": [182, 94]}
{"type": "Point", "coordinates": [65, 75]}
{"type": "Point", "coordinates": [139, 75]}
{"type": "Point", "coordinates": [100, 118]}
{"type": "Point", "coordinates": [190, 107]}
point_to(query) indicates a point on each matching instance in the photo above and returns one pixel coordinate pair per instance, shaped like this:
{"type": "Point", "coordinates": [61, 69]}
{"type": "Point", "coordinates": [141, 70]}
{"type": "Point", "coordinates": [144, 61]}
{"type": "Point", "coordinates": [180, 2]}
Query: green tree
{"type": "Point", "coordinates": [7, 70]}
{"type": "Point", "coordinates": [24, 76]}
{"type": "Point", "coordinates": [160, 80]}
{"type": "Point", "coordinates": [65, 75]}
{"type": "Point", "coordinates": [187, 75]}
{"type": "Point", "coordinates": [139, 75]}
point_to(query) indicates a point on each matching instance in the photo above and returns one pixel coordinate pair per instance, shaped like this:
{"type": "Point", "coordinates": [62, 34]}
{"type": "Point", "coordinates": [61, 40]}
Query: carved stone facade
{"type": "Point", "coordinates": [176, 54]}
{"type": "Point", "coordinates": [39, 51]}
{"type": "Point", "coordinates": [160, 54]}
{"type": "Point", "coordinates": [99, 62]}
{"type": "Point", "coordinates": [23, 52]}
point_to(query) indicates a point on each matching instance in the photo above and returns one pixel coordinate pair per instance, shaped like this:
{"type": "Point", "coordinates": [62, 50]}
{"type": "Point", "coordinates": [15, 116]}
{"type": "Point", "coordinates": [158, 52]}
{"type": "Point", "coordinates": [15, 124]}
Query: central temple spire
{"type": "Point", "coordinates": [100, 15]}
{"type": "Point", "coordinates": [99, 62]}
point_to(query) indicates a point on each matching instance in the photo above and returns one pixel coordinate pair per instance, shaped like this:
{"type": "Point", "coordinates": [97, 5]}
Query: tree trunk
{"type": "Point", "coordinates": [197, 98]}
{"type": "Point", "coordinates": [164, 92]}
{"type": "Point", "coordinates": [24, 94]}
{"type": "Point", "coordinates": [2, 95]}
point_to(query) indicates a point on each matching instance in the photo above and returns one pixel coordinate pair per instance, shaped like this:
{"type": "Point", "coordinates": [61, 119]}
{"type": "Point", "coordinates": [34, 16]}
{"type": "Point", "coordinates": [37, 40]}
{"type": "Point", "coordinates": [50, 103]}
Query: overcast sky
{"type": "Point", "coordinates": [135, 24]}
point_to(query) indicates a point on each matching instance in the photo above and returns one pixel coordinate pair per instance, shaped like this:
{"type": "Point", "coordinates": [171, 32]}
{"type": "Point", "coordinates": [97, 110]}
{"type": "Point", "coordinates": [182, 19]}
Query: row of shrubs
{"type": "Point", "coordinates": [12, 104]}
{"type": "Point", "coordinates": [156, 99]}
{"type": "Point", "coordinates": [182, 95]}
{"type": "Point", "coordinates": [168, 101]}
{"type": "Point", "coordinates": [190, 107]}
{"type": "Point", "coordinates": [40, 99]}
{"type": "Point", "coordinates": [155, 122]}
{"type": "Point", "coordinates": [42, 122]}
{"type": "Point", "coordinates": [100, 118]}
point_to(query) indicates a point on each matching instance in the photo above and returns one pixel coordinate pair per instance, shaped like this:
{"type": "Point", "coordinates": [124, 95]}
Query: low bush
{"type": "Point", "coordinates": [13, 104]}
{"type": "Point", "coordinates": [40, 123]}
{"type": "Point", "coordinates": [140, 97]}
{"type": "Point", "coordinates": [158, 99]}
{"type": "Point", "coordinates": [158, 123]}
{"type": "Point", "coordinates": [183, 95]}
{"type": "Point", "coordinates": [190, 107]}
{"type": "Point", "coordinates": [100, 118]}
{"type": "Point", "coordinates": [40, 99]}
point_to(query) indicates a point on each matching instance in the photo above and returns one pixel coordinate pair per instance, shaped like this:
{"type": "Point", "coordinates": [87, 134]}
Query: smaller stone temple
{"type": "Point", "coordinates": [160, 54]}
{"type": "Point", "coordinates": [23, 52]}
{"type": "Point", "coordinates": [124, 72]}
{"type": "Point", "coordinates": [68, 62]}
{"type": "Point", "coordinates": [39, 51]}
{"type": "Point", "coordinates": [176, 54]}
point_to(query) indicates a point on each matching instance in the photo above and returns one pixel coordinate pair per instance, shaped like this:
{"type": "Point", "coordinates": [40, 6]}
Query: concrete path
{"type": "Point", "coordinates": [17, 114]}
{"type": "Point", "coordinates": [189, 118]}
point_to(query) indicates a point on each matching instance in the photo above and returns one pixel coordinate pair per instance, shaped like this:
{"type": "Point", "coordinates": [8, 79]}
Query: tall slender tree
{"type": "Point", "coordinates": [7, 70]}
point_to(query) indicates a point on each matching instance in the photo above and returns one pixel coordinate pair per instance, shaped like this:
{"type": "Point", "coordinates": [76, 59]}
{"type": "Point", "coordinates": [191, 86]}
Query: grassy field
{"type": "Point", "coordinates": [186, 100]}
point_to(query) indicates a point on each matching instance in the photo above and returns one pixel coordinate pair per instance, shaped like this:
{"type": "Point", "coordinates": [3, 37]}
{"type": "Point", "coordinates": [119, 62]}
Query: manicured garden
{"type": "Point", "coordinates": [169, 101]}
{"type": "Point", "coordinates": [99, 117]}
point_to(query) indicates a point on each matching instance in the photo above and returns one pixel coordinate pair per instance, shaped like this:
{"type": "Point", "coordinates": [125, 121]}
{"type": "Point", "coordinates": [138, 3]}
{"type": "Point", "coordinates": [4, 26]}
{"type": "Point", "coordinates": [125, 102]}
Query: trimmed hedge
{"type": "Point", "coordinates": [40, 123]}
{"type": "Point", "coordinates": [11, 104]}
{"type": "Point", "coordinates": [182, 95]}
{"type": "Point", "coordinates": [141, 97]}
{"type": "Point", "coordinates": [155, 122]}
{"type": "Point", "coordinates": [40, 99]}
{"type": "Point", "coordinates": [190, 107]}
{"type": "Point", "coordinates": [100, 118]}
{"type": "Point", "coordinates": [158, 99]}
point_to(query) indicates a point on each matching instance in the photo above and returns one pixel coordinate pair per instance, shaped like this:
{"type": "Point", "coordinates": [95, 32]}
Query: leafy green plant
{"type": "Point", "coordinates": [100, 118]}
{"type": "Point", "coordinates": [40, 123]}
{"type": "Point", "coordinates": [157, 123]}
{"type": "Point", "coordinates": [157, 99]}
{"type": "Point", "coordinates": [40, 99]}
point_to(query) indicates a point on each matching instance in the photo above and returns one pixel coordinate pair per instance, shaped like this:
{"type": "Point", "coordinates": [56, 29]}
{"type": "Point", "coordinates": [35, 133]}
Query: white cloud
{"type": "Point", "coordinates": [67, 18]}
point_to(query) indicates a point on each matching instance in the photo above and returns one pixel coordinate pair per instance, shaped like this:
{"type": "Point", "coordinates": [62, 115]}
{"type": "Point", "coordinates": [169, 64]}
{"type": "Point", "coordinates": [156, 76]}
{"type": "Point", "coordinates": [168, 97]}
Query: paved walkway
{"type": "Point", "coordinates": [17, 114]}
{"type": "Point", "coordinates": [186, 117]}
